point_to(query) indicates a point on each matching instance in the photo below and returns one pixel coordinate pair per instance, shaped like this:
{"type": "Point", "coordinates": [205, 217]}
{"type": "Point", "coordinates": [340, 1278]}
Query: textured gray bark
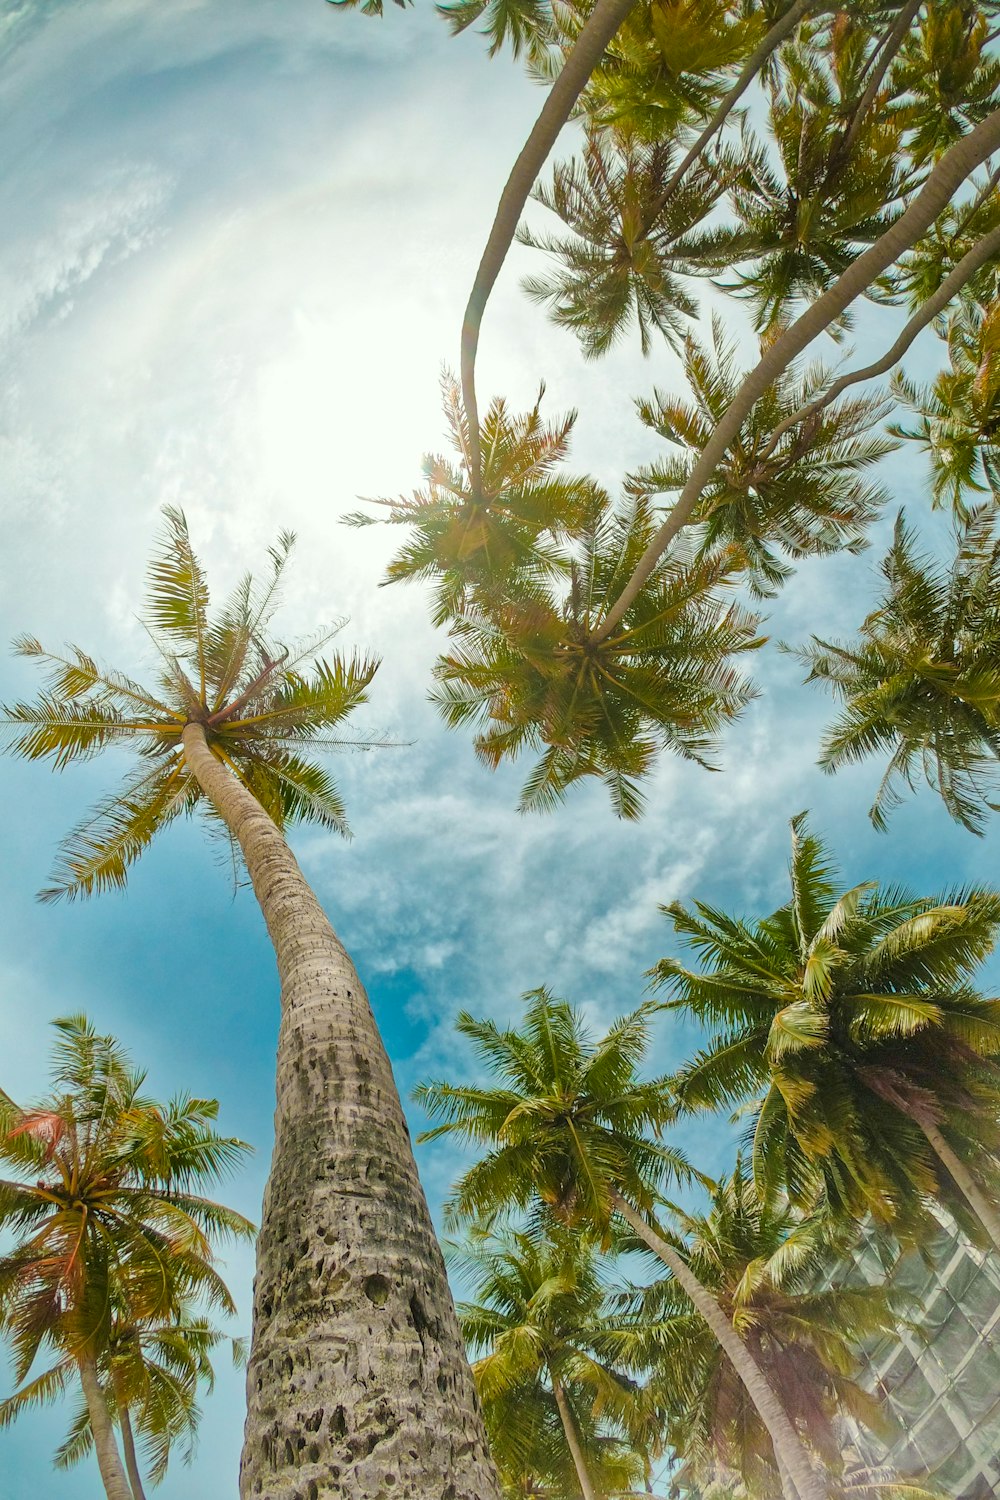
{"type": "Point", "coordinates": [357, 1383]}
{"type": "Point", "coordinates": [788, 1449]}
{"type": "Point", "coordinates": [108, 1458]}
{"type": "Point", "coordinates": [128, 1449]}
{"type": "Point", "coordinates": [977, 1200]}
{"type": "Point", "coordinates": [572, 1440]}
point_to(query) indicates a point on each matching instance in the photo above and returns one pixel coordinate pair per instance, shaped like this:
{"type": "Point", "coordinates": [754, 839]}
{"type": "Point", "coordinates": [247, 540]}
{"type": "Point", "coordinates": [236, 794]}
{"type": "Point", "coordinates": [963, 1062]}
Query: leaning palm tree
{"type": "Point", "coordinates": [848, 1021]}
{"type": "Point", "coordinates": [571, 1126]}
{"type": "Point", "coordinates": [537, 1325]}
{"type": "Point", "coordinates": [106, 1222]}
{"type": "Point", "coordinates": [922, 681]}
{"type": "Point", "coordinates": [780, 1278]}
{"type": "Point", "coordinates": [376, 1377]}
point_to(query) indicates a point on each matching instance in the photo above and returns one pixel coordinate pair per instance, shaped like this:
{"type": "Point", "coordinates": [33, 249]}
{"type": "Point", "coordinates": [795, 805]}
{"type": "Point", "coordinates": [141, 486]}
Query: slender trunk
{"type": "Point", "coordinates": [588, 49]}
{"type": "Point", "coordinates": [788, 1489]}
{"type": "Point", "coordinates": [357, 1382]}
{"type": "Point", "coordinates": [108, 1457]}
{"type": "Point", "coordinates": [572, 1438]}
{"type": "Point", "coordinates": [977, 1200]}
{"type": "Point", "coordinates": [128, 1448]}
{"type": "Point", "coordinates": [788, 1449]}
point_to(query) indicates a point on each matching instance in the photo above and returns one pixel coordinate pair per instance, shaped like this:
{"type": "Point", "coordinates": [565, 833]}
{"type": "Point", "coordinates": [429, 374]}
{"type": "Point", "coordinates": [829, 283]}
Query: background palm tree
{"type": "Point", "coordinates": [223, 731]}
{"type": "Point", "coordinates": [848, 1019]}
{"type": "Point", "coordinates": [538, 1328]}
{"type": "Point", "coordinates": [922, 681]}
{"type": "Point", "coordinates": [782, 1281]}
{"type": "Point", "coordinates": [572, 1125]}
{"type": "Point", "coordinates": [150, 1373]}
{"type": "Point", "coordinates": [108, 1228]}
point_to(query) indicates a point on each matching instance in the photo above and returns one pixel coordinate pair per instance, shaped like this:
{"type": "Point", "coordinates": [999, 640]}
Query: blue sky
{"type": "Point", "coordinates": [237, 243]}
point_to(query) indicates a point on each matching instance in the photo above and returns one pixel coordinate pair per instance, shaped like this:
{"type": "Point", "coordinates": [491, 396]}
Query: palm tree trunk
{"type": "Point", "coordinates": [108, 1457]}
{"type": "Point", "coordinates": [587, 51]}
{"type": "Point", "coordinates": [357, 1382]}
{"type": "Point", "coordinates": [977, 1200]}
{"type": "Point", "coordinates": [128, 1448]}
{"type": "Point", "coordinates": [788, 1489]}
{"type": "Point", "coordinates": [572, 1438]}
{"type": "Point", "coordinates": [788, 1449]}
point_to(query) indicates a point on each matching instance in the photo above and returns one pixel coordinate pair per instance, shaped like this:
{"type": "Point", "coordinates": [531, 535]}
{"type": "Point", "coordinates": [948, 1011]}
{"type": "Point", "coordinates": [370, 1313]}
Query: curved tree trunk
{"type": "Point", "coordinates": [108, 1457]}
{"type": "Point", "coordinates": [586, 52]}
{"type": "Point", "coordinates": [973, 1194]}
{"type": "Point", "coordinates": [357, 1383]}
{"type": "Point", "coordinates": [789, 1451]}
{"type": "Point", "coordinates": [572, 1438]}
{"type": "Point", "coordinates": [128, 1449]}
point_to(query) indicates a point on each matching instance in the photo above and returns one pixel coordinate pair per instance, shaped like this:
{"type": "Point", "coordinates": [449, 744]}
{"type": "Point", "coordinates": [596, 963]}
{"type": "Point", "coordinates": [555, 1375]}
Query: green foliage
{"type": "Point", "coordinates": [846, 1022]}
{"type": "Point", "coordinates": [784, 486]}
{"type": "Point", "coordinates": [922, 681]}
{"type": "Point", "coordinates": [633, 238]}
{"type": "Point", "coordinates": [533, 675]}
{"type": "Point", "coordinates": [804, 223]}
{"type": "Point", "coordinates": [541, 1315]}
{"type": "Point", "coordinates": [481, 548]}
{"type": "Point", "coordinates": [959, 413]}
{"type": "Point", "coordinates": [111, 1247]}
{"type": "Point", "coordinates": [952, 80]}
{"type": "Point", "coordinates": [259, 703]}
{"type": "Point", "coordinates": [567, 1120]}
{"type": "Point", "coordinates": [768, 148]}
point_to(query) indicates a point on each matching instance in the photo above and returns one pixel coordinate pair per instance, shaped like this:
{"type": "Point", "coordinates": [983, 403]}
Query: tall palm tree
{"type": "Point", "coordinates": [922, 681]}
{"type": "Point", "coordinates": [848, 1020]}
{"type": "Point", "coordinates": [780, 1278]}
{"type": "Point", "coordinates": [537, 1325]}
{"type": "Point", "coordinates": [107, 1223]}
{"type": "Point", "coordinates": [374, 1378]}
{"type": "Point", "coordinates": [572, 1125]}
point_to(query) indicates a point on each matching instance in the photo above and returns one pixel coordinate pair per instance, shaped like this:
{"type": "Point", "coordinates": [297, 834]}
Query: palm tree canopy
{"type": "Point", "coordinates": [260, 705]}
{"type": "Point", "coordinates": [633, 235]}
{"type": "Point", "coordinates": [797, 489]}
{"type": "Point", "coordinates": [922, 681]}
{"type": "Point", "coordinates": [484, 542]}
{"type": "Point", "coordinates": [567, 1120]}
{"type": "Point", "coordinates": [154, 1369]}
{"type": "Point", "coordinates": [107, 1223]}
{"type": "Point", "coordinates": [846, 1019]}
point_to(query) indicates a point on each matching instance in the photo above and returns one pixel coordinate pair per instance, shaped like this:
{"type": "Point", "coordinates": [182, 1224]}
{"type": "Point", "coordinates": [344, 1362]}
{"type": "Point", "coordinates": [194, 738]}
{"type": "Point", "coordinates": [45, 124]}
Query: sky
{"type": "Point", "coordinates": [236, 245]}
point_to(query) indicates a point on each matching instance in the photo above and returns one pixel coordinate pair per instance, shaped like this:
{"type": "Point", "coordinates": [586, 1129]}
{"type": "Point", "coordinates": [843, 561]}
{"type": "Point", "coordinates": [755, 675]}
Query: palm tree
{"type": "Point", "coordinates": [537, 1325]}
{"type": "Point", "coordinates": [150, 1372]}
{"type": "Point", "coordinates": [106, 1223]}
{"type": "Point", "coordinates": [498, 540]}
{"type": "Point", "coordinates": [377, 1372]}
{"type": "Point", "coordinates": [922, 682]}
{"type": "Point", "coordinates": [780, 1279]}
{"type": "Point", "coordinates": [570, 1124]}
{"type": "Point", "coordinates": [848, 1020]}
